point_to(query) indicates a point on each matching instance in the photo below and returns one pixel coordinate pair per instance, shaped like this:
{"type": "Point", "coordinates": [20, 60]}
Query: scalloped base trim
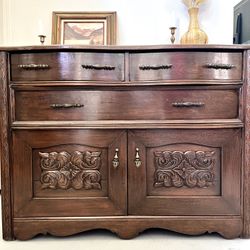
{"type": "Point", "coordinates": [126, 228]}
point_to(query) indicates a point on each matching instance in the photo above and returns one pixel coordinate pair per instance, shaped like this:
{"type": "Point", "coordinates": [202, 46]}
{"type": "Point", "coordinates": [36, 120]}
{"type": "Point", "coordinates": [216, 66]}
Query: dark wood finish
{"type": "Point", "coordinates": [125, 139]}
{"type": "Point", "coordinates": [4, 150]}
{"type": "Point", "coordinates": [137, 104]}
{"type": "Point", "coordinates": [246, 162]}
{"type": "Point", "coordinates": [145, 48]}
{"type": "Point", "coordinates": [187, 178]}
{"type": "Point", "coordinates": [185, 66]}
{"type": "Point", "coordinates": [128, 227]}
{"type": "Point", "coordinates": [194, 124]}
{"type": "Point", "coordinates": [32, 199]}
{"type": "Point", "coordinates": [67, 66]}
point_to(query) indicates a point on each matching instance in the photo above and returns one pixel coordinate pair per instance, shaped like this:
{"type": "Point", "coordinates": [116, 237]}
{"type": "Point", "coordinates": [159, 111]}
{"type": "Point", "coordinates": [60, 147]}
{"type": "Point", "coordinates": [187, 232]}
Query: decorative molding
{"type": "Point", "coordinates": [5, 164]}
{"type": "Point", "coordinates": [79, 170]}
{"type": "Point", "coordinates": [127, 228]}
{"type": "Point", "coordinates": [189, 168]}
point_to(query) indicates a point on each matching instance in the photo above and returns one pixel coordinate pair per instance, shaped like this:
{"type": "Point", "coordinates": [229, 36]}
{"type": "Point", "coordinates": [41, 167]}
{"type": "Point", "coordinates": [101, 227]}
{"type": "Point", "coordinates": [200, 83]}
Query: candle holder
{"type": "Point", "coordinates": [42, 39]}
{"type": "Point", "coordinates": [172, 38]}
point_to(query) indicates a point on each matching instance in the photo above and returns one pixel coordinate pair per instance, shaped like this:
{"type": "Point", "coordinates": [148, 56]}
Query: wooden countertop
{"type": "Point", "coordinates": [126, 48]}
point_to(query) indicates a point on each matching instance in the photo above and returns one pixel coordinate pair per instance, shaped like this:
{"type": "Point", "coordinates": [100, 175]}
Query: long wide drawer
{"type": "Point", "coordinates": [124, 104]}
{"type": "Point", "coordinates": [185, 66]}
{"type": "Point", "coordinates": [67, 66]}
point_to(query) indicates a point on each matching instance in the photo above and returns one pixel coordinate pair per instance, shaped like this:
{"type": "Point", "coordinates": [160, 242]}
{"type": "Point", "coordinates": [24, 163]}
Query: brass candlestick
{"type": "Point", "coordinates": [172, 38]}
{"type": "Point", "coordinates": [42, 39]}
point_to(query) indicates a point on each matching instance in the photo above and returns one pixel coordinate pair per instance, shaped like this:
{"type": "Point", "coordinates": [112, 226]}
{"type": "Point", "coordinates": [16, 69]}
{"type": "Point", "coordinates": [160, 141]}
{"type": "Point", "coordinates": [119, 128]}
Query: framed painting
{"type": "Point", "coordinates": [84, 28]}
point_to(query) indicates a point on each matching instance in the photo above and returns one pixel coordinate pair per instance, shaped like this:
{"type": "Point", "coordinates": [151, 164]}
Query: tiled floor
{"type": "Point", "coordinates": [149, 240]}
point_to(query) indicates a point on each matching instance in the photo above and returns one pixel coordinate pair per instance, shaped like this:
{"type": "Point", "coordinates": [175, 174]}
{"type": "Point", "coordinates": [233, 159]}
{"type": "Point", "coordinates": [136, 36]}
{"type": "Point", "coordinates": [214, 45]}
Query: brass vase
{"type": "Point", "coordinates": [194, 35]}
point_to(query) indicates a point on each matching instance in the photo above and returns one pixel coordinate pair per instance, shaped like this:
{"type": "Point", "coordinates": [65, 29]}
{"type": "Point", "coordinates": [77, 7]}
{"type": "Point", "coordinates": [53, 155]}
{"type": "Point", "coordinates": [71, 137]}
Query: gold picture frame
{"type": "Point", "coordinates": [84, 28]}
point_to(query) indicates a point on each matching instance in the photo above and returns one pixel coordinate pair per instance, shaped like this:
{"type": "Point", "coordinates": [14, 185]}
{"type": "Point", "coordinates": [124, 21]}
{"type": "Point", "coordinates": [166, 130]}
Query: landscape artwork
{"type": "Point", "coordinates": [84, 33]}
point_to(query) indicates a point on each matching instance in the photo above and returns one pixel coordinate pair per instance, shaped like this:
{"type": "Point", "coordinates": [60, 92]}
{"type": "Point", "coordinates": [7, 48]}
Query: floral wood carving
{"type": "Point", "coordinates": [79, 170]}
{"type": "Point", "coordinates": [189, 168]}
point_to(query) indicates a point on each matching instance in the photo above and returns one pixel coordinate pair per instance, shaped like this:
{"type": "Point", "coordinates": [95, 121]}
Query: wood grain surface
{"type": "Point", "coordinates": [185, 66]}
{"type": "Point", "coordinates": [6, 188]}
{"type": "Point", "coordinates": [67, 66]}
{"type": "Point", "coordinates": [125, 104]}
{"type": "Point", "coordinates": [124, 139]}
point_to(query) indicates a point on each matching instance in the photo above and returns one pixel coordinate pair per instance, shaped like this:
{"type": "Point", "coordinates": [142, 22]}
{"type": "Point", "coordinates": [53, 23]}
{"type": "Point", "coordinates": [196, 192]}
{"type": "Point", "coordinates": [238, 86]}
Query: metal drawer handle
{"type": "Point", "coordinates": [155, 67]}
{"type": "Point", "coordinates": [66, 105]}
{"type": "Point", "coordinates": [188, 104]}
{"type": "Point", "coordinates": [219, 66]}
{"type": "Point", "coordinates": [116, 159]}
{"type": "Point", "coordinates": [33, 66]}
{"type": "Point", "coordinates": [137, 158]}
{"type": "Point", "coordinates": [98, 67]}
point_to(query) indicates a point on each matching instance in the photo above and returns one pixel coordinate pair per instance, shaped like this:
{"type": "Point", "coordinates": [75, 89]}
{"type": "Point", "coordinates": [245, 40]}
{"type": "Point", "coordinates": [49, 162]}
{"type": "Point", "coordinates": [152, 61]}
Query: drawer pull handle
{"type": "Point", "coordinates": [116, 159]}
{"type": "Point", "coordinates": [137, 158]}
{"type": "Point", "coordinates": [219, 66]}
{"type": "Point", "coordinates": [98, 67]}
{"type": "Point", "coordinates": [33, 66]}
{"type": "Point", "coordinates": [66, 106]}
{"type": "Point", "coordinates": [188, 104]}
{"type": "Point", "coordinates": [155, 67]}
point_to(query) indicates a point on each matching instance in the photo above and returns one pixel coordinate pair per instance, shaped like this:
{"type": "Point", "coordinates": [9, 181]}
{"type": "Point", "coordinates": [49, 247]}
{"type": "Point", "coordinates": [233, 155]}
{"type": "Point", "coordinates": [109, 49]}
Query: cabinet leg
{"type": "Point", "coordinates": [246, 232]}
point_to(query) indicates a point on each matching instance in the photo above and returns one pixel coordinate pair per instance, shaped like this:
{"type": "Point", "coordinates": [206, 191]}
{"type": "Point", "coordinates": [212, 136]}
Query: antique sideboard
{"type": "Point", "coordinates": [125, 139]}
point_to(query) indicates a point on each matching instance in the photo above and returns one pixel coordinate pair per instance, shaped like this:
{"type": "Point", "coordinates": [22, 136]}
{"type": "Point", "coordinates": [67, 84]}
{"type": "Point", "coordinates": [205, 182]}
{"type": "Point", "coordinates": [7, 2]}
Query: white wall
{"type": "Point", "coordinates": [139, 21]}
{"type": "Point", "coordinates": [1, 22]}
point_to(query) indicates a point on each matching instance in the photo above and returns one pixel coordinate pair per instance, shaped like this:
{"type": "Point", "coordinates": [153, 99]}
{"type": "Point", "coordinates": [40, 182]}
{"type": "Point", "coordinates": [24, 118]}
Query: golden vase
{"type": "Point", "coordinates": [194, 35]}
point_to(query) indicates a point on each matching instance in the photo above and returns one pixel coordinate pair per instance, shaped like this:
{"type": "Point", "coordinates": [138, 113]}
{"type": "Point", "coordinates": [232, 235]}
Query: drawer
{"type": "Point", "coordinates": [185, 66]}
{"type": "Point", "coordinates": [67, 66]}
{"type": "Point", "coordinates": [124, 104]}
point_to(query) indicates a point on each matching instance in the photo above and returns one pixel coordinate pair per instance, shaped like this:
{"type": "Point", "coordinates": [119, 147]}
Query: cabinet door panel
{"type": "Point", "coordinates": [184, 172]}
{"type": "Point", "coordinates": [69, 173]}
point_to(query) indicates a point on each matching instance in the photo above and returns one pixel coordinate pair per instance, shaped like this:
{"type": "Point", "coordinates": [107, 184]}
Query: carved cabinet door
{"type": "Point", "coordinates": [69, 172]}
{"type": "Point", "coordinates": [184, 172]}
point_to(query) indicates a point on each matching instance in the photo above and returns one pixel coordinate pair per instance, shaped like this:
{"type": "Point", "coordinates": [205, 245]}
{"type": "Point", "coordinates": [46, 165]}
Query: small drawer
{"type": "Point", "coordinates": [69, 66]}
{"type": "Point", "coordinates": [146, 104]}
{"type": "Point", "coordinates": [185, 66]}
